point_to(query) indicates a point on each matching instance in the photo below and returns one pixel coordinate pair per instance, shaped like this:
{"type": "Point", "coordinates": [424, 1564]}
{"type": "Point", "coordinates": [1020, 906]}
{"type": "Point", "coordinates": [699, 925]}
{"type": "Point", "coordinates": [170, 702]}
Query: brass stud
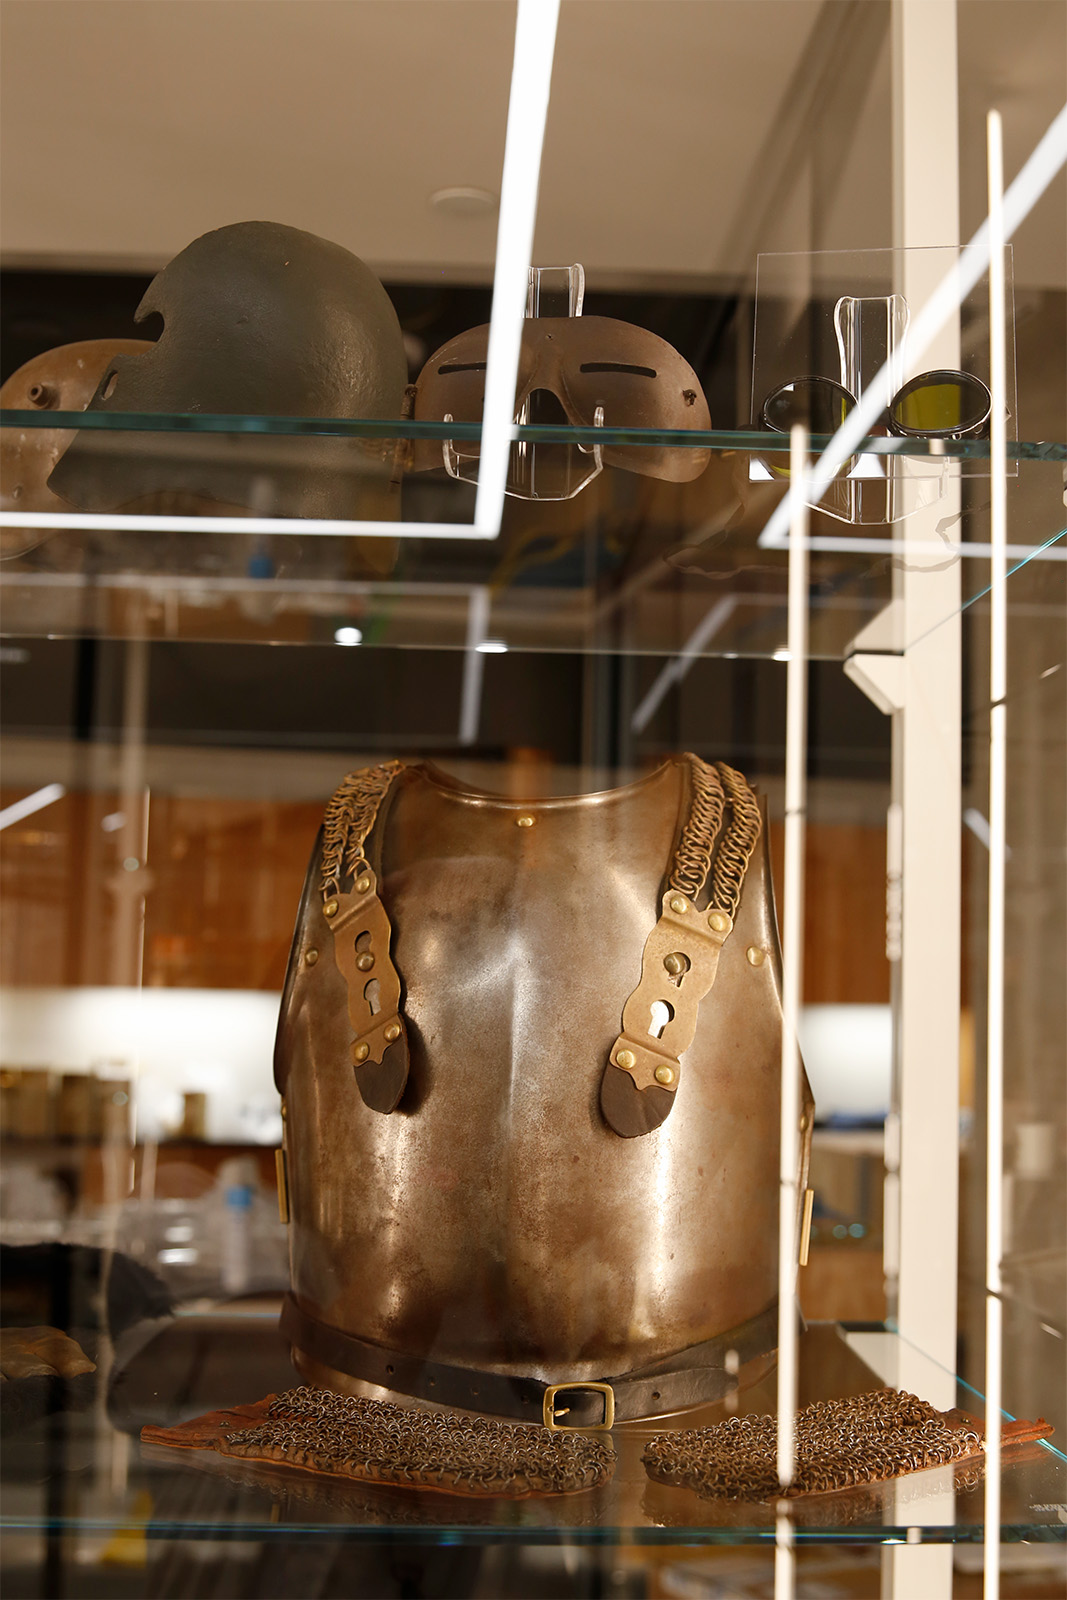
{"type": "Point", "coordinates": [361, 1052]}
{"type": "Point", "coordinates": [310, 957]}
{"type": "Point", "coordinates": [525, 821]}
{"type": "Point", "coordinates": [664, 1075]}
{"type": "Point", "coordinates": [804, 1122]}
{"type": "Point", "coordinates": [392, 1032]}
{"type": "Point", "coordinates": [362, 884]}
{"type": "Point", "coordinates": [755, 956]}
{"type": "Point", "coordinates": [365, 962]}
{"type": "Point", "coordinates": [331, 908]}
{"type": "Point", "coordinates": [674, 964]}
{"type": "Point", "coordinates": [625, 1059]}
{"type": "Point", "coordinates": [285, 1112]}
{"type": "Point", "coordinates": [719, 922]}
{"type": "Point", "coordinates": [678, 905]}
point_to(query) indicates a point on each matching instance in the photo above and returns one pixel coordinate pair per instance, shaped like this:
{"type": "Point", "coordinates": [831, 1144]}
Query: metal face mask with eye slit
{"type": "Point", "coordinates": [584, 372]}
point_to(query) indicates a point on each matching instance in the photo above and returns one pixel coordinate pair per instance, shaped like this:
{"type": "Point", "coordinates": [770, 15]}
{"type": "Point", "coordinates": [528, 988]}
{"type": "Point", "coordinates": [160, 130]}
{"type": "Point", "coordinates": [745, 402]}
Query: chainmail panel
{"type": "Point", "coordinates": [378, 1442]}
{"type": "Point", "coordinates": [738, 842]}
{"type": "Point", "coordinates": [692, 859]}
{"type": "Point", "coordinates": [705, 848]}
{"type": "Point", "coordinates": [350, 816]}
{"type": "Point", "coordinates": [839, 1443]}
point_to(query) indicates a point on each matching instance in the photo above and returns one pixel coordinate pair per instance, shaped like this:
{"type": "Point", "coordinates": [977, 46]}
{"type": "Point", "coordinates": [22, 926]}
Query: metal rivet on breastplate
{"type": "Point", "coordinates": [362, 884]}
{"type": "Point", "coordinates": [330, 908]}
{"type": "Point", "coordinates": [365, 962]}
{"type": "Point", "coordinates": [392, 1031]}
{"type": "Point", "coordinates": [804, 1123]}
{"type": "Point", "coordinates": [525, 821]}
{"type": "Point", "coordinates": [719, 922]}
{"type": "Point", "coordinates": [664, 1075]}
{"type": "Point", "coordinates": [625, 1059]}
{"type": "Point", "coordinates": [361, 1052]}
{"type": "Point", "coordinates": [674, 964]}
{"type": "Point", "coordinates": [755, 956]}
{"type": "Point", "coordinates": [310, 957]}
{"type": "Point", "coordinates": [678, 905]}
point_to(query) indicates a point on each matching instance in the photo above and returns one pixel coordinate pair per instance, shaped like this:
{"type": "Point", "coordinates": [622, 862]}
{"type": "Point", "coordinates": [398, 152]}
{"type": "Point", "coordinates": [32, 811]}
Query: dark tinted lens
{"type": "Point", "coordinates": [819, 403]}
{"type": "Point", "coordinates": [940, 404]}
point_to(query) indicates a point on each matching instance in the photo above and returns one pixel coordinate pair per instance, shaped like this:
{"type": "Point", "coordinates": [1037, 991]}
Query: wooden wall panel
{"type": "Point", "coordinates": [224, 877]}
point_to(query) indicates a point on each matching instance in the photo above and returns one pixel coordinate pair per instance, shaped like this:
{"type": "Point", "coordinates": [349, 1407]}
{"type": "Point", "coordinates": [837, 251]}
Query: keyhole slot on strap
{"type": "Point", "coordinates": [661, 1014]}
{"type": "Point", "coordinates": [372, 994]}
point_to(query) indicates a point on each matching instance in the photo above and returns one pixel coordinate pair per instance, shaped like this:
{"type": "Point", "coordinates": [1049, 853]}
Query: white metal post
{"type": "Point", "coordinates": [927, 784]}
{"type": "Point", "coordinates": [998, 789]}
{"type": "Point", "coordinates": [796, 755]}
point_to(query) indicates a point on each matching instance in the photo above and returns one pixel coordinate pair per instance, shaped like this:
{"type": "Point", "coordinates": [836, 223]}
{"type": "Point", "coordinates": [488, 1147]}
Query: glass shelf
{"type": "Point", "coordinates": [632, 566]}
{"type": "Point", "coordinates": [204, 1361]}
{"type": "Point", "coordinates": [758, 441]}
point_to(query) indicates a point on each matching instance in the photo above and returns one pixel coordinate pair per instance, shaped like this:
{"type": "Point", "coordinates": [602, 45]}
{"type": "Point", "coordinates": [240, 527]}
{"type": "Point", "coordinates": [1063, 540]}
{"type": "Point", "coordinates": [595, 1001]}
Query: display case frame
{"type": "Point", "coordinates": [907, 658]}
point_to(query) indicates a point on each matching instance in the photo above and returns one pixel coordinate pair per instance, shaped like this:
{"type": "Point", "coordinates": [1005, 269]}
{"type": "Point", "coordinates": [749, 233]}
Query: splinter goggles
{"type": "Point", "coordinates": [587, 372]}
{"type": "Point", "coordinates": [935, 405]}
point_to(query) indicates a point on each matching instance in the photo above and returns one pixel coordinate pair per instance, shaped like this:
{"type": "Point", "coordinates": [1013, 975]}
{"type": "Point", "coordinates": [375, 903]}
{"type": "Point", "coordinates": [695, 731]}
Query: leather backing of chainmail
{"type": "Point", "coordinates": [839, 1443]}
{"type": "Point", "coordinates": [350, 816]}
{"type": "Point", "coordinates": [701, 851]}
{"type": "Point", "coordinates": [377, 1442]}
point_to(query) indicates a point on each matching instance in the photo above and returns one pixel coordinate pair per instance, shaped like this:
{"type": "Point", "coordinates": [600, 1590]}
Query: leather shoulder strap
{"type": "Point", "coordinates": [362, 935]}
{"type": "Point", "coordinates": [681, 954]}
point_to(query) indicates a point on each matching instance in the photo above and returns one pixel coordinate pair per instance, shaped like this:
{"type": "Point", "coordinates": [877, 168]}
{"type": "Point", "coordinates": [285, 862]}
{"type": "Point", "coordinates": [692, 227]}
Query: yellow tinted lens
{"type": "Point", "coordinates": [935, 408]}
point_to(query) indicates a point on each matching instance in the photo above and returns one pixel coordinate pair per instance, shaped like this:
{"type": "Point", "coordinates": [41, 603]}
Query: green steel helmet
{"type": "Point", "coordinates": [258, 319]}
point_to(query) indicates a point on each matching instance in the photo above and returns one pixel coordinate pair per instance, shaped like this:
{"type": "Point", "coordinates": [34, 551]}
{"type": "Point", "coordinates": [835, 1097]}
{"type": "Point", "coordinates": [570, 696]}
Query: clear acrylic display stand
{"type": "Point", "coordinates": [540, 470]}
{"type": "Point", "coordinates": [838, 314]}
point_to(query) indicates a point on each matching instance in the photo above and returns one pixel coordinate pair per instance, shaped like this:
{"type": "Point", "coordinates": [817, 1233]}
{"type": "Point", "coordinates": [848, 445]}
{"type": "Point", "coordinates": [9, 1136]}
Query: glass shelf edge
{"type": "Point", "coordinates": [740, 439]}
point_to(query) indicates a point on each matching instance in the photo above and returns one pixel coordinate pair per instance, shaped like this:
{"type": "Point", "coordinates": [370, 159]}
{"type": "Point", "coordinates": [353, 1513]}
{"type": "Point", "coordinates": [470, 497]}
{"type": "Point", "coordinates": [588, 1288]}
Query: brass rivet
{"type": "Point", "coordinates": [664, 1075]}
{"type": "Point", "coordinates": [678, 905]}
{"type": "Point", "coordinates": [392, 1031]}
{"type": "Point", "coordinates": [361, 1052]}
{"type": "Point", "coordinates": [362, 884]}
{"type": "Point", "coordinates": [525, 822]}
{"type": "Point", "coordinates": [718, 922]}
{"type": "Point", "coordinates": [330, 909]}
{"type": "Point", "coordinates": [310, 957]}
{"type": "Point", "coordinates": [755, 956]}
{"type": "Point", "coordinates": [365, 962]}
{"type": "Point", "coordinates": [625, 1059]}
{"type": "Point", "coordinates": [285, 1112]}
{"type": "Point", "coordinates": [804, 1123]}
{"type": "Point", "coordinates": [674, 964]}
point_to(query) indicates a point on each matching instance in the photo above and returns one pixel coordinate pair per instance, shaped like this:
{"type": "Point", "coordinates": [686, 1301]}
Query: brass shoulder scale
{"type": "Point", "coordinates": [362, 936]}
{"type": "Point", "coordinates": [681, 954]}
{"type": "Point", "coordinates": [679, 962]}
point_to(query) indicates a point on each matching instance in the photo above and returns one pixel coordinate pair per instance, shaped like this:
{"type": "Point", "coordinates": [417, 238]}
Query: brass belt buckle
{"type": "Point", "coordinates": [550, 1413]}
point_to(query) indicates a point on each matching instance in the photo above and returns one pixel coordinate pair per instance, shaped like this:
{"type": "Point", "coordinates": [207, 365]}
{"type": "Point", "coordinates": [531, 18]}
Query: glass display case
{"type": "Point", "coordinates": [559, 536]}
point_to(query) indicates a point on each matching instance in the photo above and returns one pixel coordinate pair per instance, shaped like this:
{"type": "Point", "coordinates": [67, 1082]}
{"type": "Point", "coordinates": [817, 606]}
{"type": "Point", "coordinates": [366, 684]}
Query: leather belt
{"type": "Point", "coordinates": [698, 1374]}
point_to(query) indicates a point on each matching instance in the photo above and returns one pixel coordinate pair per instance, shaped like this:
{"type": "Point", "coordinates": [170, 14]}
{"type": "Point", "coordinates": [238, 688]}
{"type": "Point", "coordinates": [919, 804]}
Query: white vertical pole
{"type": "Point", "coordinates": [796, 748]}
{"type": "Point", "coordinates": [927, 781]}
{"type": "Point", "coordinates": [998, 773]}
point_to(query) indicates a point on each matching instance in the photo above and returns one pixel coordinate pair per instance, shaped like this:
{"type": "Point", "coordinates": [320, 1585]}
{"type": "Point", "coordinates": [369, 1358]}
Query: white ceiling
{"type": "Point", "coordinates": [683, 136]}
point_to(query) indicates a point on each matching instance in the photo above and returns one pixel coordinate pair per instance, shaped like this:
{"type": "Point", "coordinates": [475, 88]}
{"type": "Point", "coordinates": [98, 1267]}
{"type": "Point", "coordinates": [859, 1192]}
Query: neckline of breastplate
{"type": "Point", "coordinates": [451, 788]}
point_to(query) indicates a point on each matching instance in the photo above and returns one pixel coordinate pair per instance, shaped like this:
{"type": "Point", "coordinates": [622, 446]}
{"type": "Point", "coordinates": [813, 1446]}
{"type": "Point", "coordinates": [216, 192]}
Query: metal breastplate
{"type": "Point", "coordinates": [493, 1234]}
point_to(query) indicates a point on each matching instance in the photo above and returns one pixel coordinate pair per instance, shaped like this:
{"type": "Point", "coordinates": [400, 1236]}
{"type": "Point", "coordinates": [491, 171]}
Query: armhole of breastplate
{"type": "Point", "coordinates": [308, 896]}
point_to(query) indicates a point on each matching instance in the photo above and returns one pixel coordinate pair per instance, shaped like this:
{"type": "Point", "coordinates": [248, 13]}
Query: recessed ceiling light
{"type": "Point", "coordinates": [348, 636]}
{"type": "Point", "coordinates": [492, 647]}
{"type": "Point", "coordinates": [464, 201]}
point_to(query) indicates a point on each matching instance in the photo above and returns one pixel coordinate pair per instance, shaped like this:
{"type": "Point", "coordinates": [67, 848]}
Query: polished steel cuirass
{"type": "Point", "coordinates": [494, 1220]}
